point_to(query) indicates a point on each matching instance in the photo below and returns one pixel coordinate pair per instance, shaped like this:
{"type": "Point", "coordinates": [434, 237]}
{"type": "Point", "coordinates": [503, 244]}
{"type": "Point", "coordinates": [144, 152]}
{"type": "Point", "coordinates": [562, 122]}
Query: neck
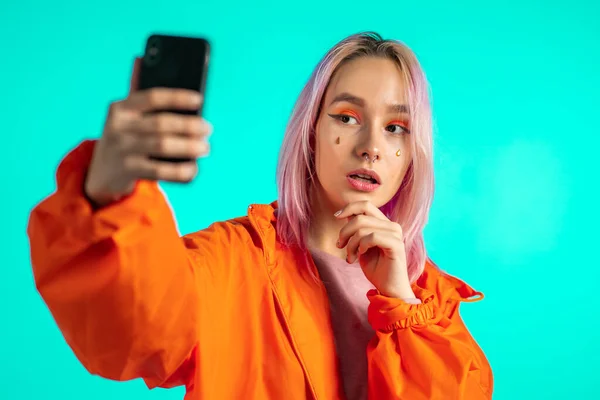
{"type": "Point", "coordinates": [324, 227]}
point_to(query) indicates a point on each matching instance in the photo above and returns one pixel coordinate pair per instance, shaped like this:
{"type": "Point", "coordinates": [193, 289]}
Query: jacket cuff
{"type": "Point", "coordinates": [70, 205]}
{"type": "Point", "coordinates": [387, 314]}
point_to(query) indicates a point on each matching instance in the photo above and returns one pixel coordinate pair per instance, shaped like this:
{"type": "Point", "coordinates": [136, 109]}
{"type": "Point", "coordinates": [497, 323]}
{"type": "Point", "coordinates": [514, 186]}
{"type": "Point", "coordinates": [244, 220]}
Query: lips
{"type": "Point", "coordinates": [364, 180]}
{"type": "Point", "coordinates": [365, 175]}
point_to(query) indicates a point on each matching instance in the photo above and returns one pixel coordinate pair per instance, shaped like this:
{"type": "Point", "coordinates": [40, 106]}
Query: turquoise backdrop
{"type": "Point", "coordinates": [515, 90]}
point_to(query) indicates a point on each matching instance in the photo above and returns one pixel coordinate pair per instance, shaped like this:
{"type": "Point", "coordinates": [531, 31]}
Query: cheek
{"type": "Point", "coordinates": [330, 157]}
{"type": "Point", "coordinates": [328, 150]}
{"type": "Point", "coordinates": [400, 158]}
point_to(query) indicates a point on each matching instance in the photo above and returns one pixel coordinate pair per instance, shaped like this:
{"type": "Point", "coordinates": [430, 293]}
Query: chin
{"type": "Point", "coordinates": [340, 196]}
{"type": "Point", "coordinates": [354, 196]}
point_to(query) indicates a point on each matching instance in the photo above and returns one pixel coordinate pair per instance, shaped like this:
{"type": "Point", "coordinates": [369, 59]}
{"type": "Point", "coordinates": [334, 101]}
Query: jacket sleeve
{"type": "Point", "coordinates": [425, 351]}
{"type": "Point", "coordinates": [118, 281]}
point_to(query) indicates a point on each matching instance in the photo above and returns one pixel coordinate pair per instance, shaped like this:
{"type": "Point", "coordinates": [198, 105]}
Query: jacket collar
{"type": "Point", "coordinates": [263, 218]}
{"type": "Point", "coordinates": [303, 303]}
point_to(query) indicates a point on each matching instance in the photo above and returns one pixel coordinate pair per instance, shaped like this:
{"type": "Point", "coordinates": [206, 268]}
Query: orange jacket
{"type": "Point", "coordinates": [227, 311]}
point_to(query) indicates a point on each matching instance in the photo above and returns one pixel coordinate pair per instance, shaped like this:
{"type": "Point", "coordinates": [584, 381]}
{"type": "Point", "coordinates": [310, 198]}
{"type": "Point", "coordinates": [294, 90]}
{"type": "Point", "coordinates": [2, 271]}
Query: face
{"type": "Point", "coordinates": [364, 117]}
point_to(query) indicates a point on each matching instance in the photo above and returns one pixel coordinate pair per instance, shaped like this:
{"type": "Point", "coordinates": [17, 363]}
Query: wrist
{"type": "Point", "coordinates": [98, 199]}
{"type": "Point", "coordinates": [398, 287]}
{"type": "Point", "coordinates": [399, 294]}
{"type": "Point", "coordinates": [400, 291]}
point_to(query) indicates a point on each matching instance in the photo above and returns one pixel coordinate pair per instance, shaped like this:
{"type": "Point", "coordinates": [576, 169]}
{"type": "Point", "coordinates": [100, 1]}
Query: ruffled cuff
{"type": "Point", "coordinates": [387, 314]}
{"type": "Point", "coordinates": [75, 216]}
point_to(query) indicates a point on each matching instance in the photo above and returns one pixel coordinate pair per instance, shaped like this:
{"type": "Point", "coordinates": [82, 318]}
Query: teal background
{"type": "Point", "coordinates": [515, 90]}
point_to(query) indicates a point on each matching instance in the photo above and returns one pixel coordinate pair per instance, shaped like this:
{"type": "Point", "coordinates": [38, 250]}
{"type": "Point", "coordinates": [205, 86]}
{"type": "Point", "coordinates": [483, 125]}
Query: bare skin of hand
{"type": "Point", "coordinates": [378, 244]}
{"type": "Point", "coordinates": [135, 134]}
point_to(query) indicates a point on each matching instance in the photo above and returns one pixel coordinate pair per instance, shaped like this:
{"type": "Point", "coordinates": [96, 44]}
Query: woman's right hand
{"type": "Point", "coordinates": [135, 135]}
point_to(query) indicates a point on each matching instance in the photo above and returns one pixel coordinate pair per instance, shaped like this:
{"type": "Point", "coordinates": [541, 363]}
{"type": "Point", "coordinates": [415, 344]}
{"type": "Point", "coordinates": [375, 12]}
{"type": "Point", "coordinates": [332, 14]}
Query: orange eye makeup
{"type": "Point", "coordinates": [344, 115]}
{"type": "Point", "coordinates": [403, 123]}
{"type": "Point", "coordinates": [350, 113]}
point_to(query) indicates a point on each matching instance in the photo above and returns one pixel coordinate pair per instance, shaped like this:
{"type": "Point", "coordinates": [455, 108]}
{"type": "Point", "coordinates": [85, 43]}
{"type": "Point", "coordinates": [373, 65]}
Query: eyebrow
{"type": "Point", "coordinates": [349, 98]}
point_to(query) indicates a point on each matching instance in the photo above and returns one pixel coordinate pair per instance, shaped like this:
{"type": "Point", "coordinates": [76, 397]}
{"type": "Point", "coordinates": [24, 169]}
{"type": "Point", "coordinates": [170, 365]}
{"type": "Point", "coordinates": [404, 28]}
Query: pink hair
{"type": "Point", "coordinates": [410, 205]}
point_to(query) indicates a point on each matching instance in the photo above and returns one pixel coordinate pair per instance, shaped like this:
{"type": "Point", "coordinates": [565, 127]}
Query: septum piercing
{"type": "Point", "coordinates": [375, 158]}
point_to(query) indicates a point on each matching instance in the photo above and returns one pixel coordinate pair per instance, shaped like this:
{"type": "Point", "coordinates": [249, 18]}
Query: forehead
{"type": "Point", "coordinates": [378, 81]}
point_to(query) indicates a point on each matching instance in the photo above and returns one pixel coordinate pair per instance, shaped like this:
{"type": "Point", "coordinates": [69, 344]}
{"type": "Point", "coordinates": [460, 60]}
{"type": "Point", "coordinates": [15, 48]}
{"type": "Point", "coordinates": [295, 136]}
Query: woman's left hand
{"type": "Point", "coordinates": [378, 244]}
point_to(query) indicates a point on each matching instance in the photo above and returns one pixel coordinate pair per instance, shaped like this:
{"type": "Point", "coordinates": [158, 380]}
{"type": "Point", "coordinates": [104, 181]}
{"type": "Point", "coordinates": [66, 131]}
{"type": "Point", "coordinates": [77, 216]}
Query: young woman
{"type": "Point", "coordinates": [325, 294]}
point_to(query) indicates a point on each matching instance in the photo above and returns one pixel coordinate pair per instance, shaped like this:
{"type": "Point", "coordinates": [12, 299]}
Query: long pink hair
{"type": "Point", "coordinates": [410, 205]}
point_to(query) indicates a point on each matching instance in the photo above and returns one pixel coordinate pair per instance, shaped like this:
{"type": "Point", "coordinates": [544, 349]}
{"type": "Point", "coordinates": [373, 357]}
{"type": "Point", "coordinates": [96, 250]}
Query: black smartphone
{"type": "Point", "coordinates": [175, 62]}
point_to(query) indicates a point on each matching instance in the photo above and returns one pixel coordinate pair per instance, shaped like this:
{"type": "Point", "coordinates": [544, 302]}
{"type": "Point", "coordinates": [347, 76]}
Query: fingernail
{"type": "Point", "coordinates": [196, 98]}
{"type": "Point", "coordinates": [206, 127]}
{"type": "Point", "coordinates": [338, 213]}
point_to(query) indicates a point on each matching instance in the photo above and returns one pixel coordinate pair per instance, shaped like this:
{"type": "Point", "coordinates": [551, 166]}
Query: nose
{"type": "Point", "coordinates": [368, 147]}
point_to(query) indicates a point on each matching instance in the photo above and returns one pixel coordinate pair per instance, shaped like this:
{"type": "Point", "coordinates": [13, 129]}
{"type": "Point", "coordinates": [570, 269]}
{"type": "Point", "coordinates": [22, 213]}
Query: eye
{"type": "Point", "coordinates": [397, 129]}
{"type": "Point", "coordinates": [345, 119]}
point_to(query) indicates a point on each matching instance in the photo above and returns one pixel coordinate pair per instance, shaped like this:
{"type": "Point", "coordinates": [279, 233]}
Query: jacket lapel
{"type": "Point", "coordinates": [304, 306]}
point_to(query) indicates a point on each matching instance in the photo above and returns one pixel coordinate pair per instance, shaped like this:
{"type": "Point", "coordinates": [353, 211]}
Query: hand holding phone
{"type": "Point", "coordinates": [157, 132]}
{"type": "Point", "coordinates": [175, 62]}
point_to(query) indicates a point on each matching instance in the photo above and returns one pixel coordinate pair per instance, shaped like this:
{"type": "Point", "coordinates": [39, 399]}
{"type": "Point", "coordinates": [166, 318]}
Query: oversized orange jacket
{"type": "Point", "coordinates": [227, 311]}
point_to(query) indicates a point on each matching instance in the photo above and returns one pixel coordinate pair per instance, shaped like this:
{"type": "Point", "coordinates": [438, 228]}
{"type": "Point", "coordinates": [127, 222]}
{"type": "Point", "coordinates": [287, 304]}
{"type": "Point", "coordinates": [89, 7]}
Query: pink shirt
{"type": "Point", "coordinates": [347, 289]}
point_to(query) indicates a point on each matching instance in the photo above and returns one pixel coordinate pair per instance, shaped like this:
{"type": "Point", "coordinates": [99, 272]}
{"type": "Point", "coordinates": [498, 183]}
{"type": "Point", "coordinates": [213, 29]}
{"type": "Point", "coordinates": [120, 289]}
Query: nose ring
{"type": "Point", "coordinates": [375, 158]}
